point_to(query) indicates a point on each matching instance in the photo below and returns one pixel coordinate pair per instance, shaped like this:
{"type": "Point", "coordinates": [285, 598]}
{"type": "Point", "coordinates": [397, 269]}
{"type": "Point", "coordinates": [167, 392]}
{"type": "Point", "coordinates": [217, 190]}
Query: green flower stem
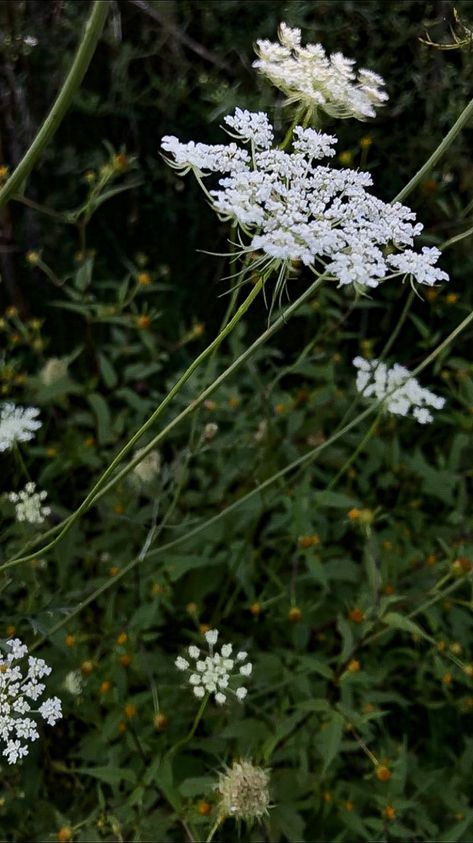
{"type": "Point", "coordinates": [214, 828]}
{"type": "Point", "coordinates": [83, 57]}
{"type": "Point", "coordinates": [456, 239]}
{"type": "Point", "coordinates": [399, 324]}
{"type": "Point", "coordinates": [197, 719]}
{"type": "Point", "coordinates": [100, 489]}
{"type": "Point", "coordinates": [351, 459]}
{"type": "Point", "coordinates": [437, 154]}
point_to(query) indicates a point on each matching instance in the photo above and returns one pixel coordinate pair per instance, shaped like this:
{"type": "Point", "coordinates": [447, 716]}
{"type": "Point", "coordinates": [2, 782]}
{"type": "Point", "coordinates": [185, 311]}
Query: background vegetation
{"type": "Point", "coordinates": [355, 604]}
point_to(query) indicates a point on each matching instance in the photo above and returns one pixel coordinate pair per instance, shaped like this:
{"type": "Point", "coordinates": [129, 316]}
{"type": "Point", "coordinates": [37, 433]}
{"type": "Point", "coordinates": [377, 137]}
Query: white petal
{"type": "Point", "coordinates": [211, 637]}
{"type": "Point", "coordinates": [241, 694]}
{"type": "Point", "coordinates": [246, 669]}
{"type": "Point", "coordinates": [199, 691]}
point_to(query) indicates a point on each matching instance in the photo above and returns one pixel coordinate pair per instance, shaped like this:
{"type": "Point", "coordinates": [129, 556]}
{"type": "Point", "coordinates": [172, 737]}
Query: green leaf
{"type": "Point", "coordinates": [110, 775]}
{"type": "Point", "coordinates": [397, 621]}
{"type": "Point", "coordinates": [107, 371]}
{"type": "Point", "coordinates": [102, 413]}
{"type": "Point", "coordinates": [330, 740]}
{"type": "Point", "coordinates": [335, 500]}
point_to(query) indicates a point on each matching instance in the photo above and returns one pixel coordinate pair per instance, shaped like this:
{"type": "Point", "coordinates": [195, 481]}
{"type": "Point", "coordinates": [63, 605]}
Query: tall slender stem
{"type": "Point", "coordinates": [437, 154]}
{"type": "Point", "coordinates": [83, 57]}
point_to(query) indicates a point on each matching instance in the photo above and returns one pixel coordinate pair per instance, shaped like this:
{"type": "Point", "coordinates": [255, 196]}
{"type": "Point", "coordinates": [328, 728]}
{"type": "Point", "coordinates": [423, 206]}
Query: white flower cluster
{"type": "Point", "coordinates": [294, 209]}
{"type": "Point", "coordinates": [17, 424]}
{"type": "Point", "coordinates": [29, 504]}
{"type": "Point", "coordinates": [16, 689]}
{"type": "Point", "coordinates": [307, 75]}
{"type": "Point", "coordinates": [403, 393]}
{"type": "Point", "coordinates": [212, 673]}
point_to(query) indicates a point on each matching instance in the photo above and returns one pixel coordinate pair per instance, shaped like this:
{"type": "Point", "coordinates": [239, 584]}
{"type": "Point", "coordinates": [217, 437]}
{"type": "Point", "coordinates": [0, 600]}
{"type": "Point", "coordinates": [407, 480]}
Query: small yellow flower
{"type": "Point", "coordinates": [113, 571]}
{"type": "Point", "coordinates": [348, 806]}
{"type": "Point", "coordinates": [366, 142]}
{"type": "Point", "coordinates": [64, 834]}
{"type": "Point", "coordinates": [256, 609]}
{"type": "Point", "coordinates": [105, 687]}
{"type": "Point", "coordinates": [455, 648]}
{"type": "Point", "coordinates": [234, 401]}
{"type": "Point", "coordinates": [356, 615]}
{"type": "Point", "coordinates": [309, 541]}
{"type": "Point", "coordinates": [120, 162]}
{"type": "Point", "coordinates": [294, 615]}
{"type": "Point", "coordinates": [33, 258]}
{"type": "Point", "coordinates": [389, 812]}
{"type": "Point", "coordinates": [383, 773]}
{"type": "Point", "coordinates": [354, 666]}
{"type": "Point", "coordinates": [431, 295]}
{"type": "Point", "coordinates": [130, 710]}
{"type": "Point", "coordinates": [203, 808]}
{"type": "Point", "coordinates": [451, 298]}
{"type": "Point", "coordinates": [86, 668]}
{"type": "Point", "coordinates": [203, 628]}
{"type": "Point", "coordinates": [10, 630]}
{"type": "Point", "coordinates": [122, 638]}
{"type": "Point", "coordinates": [345, 158]}
{"type": "Point", "coordinates": [11, 312]}
{"type": "Point", "coordinates": [89, 442]}
{"type": "Point", "coordinates": [447, 678]}
{"type": "Point", "coordinates": [143, 322]}
{"type": "Point", "coordinates": [125, 660]}
{"type": "Point", "coordinates": [4, 173]}
{"type": "Point", "coordinates": [144, 279]}
{"type": "Point", "coordinates": [279, 408]}
{"type": "Point", "coordinates": [70, 640]}
{"type": "Point", "coordinates": [90, 176]}
{"type": "Point", "coordinates": [51, 452]}
{"type": "Point", "coordinates": [160, 722]}
{"type": "Point", "coordinates": [210, 405]}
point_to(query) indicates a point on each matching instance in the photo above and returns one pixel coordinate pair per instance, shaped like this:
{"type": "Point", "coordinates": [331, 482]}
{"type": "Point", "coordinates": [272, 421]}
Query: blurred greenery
{"type": "Point", "coordinates": [354, 603]}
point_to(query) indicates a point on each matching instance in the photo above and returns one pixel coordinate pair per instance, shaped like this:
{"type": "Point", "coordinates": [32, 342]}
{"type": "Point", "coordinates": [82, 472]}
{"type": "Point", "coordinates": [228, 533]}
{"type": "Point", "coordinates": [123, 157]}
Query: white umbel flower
{"type": "Point", "coordinates": [17, 424]}
{"type": "Point", "coordinates": [403, 393]}
{"type": "Point", "coordinates": [213, 672]}
{"type": "Point", "coordinates": [306, 75]}
{"type": "Point", "coordinates": [29, 504]}
{"type": "Point", "coordinates": [291, 208]}
{"type": "Point", "coordinates": [19, 687]}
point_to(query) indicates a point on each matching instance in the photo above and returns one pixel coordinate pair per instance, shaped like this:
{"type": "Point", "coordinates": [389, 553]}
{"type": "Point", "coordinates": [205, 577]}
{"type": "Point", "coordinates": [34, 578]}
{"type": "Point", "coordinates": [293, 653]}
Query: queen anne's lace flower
{"type": "Point", "coordinates": [420, 266]}
{"type": "Point", "coordinates": [17, 689]}
{"type": "Point", "coordinates": [215, 672]}
{"type": "Point", "coordinates": [17, 424]}
{"type": "Point", "coordinates": [293, 209]}
{"type": "Point", "coordinates": [402, 392]}
{"type": "Point", "coordinates": [29, 504]}
{"type": "Point", "coordinates": [308, 76]}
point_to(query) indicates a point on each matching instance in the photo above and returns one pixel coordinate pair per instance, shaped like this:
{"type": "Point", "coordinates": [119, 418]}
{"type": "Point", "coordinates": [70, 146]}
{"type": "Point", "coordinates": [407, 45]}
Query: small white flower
{"type": "Point", "coordinates": [73, 682]}
{"type": "Point", "coordinates": [246, 669]}
{"type": "Point", "coordinates": [149, 467]}
{"type": "Point", "coordinates": [53, 370]}
{"type": "Point", "coordinates": [401, 392]}
{"type": "Point", "coordinates": [17, 688]}
{"type": "Point", "coordinates": [17, 424]}
{"type": "Point", "coordinates": [29, 504]}
{"type": "Point", "coordinates": [216, 672]}
{"type": "Point", "coordinates": [420, 266]}
{"type": "Point", "coordinates": [251, 126]}
{"type": "Point", "coordinates": [211, 636]}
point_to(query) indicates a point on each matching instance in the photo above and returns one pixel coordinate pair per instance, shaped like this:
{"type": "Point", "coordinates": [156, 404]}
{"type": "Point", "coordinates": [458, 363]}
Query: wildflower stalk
{"type": "Point", "coordinates": [92, 32]}
{"type": "Point", "coordinates": [351, 459]}
{"type": "Point", "coordinates": [456, 239]}
{"type": "Point", "coordinates": [190, 735]}
{"type": "Point", "coordinates": [214, 828]}
{"type": "Point", "coordinates": [437, 154]}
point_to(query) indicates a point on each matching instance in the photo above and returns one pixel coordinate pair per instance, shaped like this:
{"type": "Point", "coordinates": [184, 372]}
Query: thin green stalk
{"type": "Point", "coordinates": [399, 324]}
{"type": "Point", "coordinates": [456, 239]}
{"type": "Point", "coordinates": [351, 459]}
{"type": "Point", "coordinates": [437, 154]}
{"type": "Point", "coordinates": [190, 735]}
{"type": "Point", "coordinates": [92, 32]}
{"type": "Point", "coordinates": [214, 828]}
{"type": "Point", "coordinates": [100, 484]}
